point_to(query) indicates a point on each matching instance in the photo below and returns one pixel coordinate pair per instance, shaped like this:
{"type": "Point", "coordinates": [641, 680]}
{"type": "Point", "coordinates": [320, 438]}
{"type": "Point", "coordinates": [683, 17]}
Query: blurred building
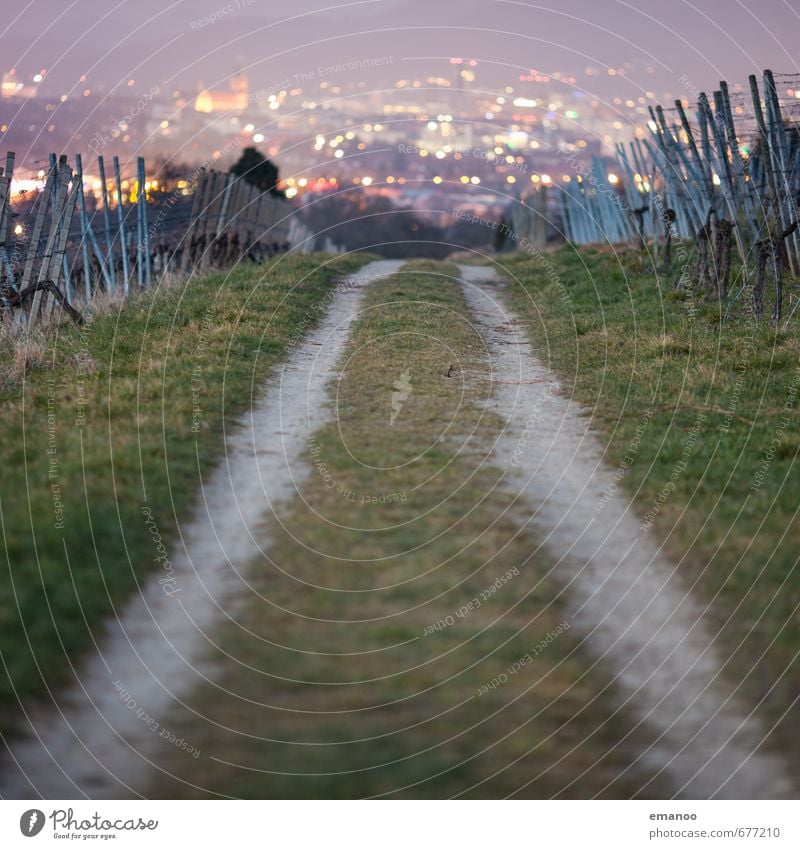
{"type": "Point", "coordinates": [13, 86]}
{"type": "Point", "coordinates": [235, 99]}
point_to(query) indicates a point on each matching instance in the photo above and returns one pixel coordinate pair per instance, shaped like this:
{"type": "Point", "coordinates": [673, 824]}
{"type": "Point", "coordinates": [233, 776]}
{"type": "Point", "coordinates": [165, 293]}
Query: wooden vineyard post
{"type": "Point", "coordinates": [206, 209]}
{"type": "Point", "coordinates": [6, 271]}
{"type": "Point", "coordinates": [784, 199]}
{"type": "Point", "coordinates": [255, 205]}
{"type": "Point", "coordinates": [717, 129]}
{"type": "Point", "coordinates": [729, 187]}
{"type": "Point", "coordinates": [121, 229]}
{"type": "Point", "coordinates": [640, 164]}
{"type": "Point", "coordinates": [243, 222]}
{"type": "Point", "coordinates": [273, 218]}
{"type": "Point", "coordinates": [738, 165]}
{"type": "Point", "coordinates": [538, 229]}
{"type": "Point", "coordinates": [233, 219]}
{"type": "Point", "coordinates": [631, 192]}
{"type": "Point", "coordinates": [141, 210]}
{"type": "Point", "coordinates": [194, 216]}
{"type": "Point", "coordinates": [248, 200]}
{"type": "Point", "coordinates": [61, 181]}
{"type": "Point", "coordinates": [664, 140]}
{"type": "Point", "coordinates": [223, 206]}
{"type": "Point", "coordinates": [763, 141]}
{"type": "Point", "coordinates": [86, 227]}
{"type": "Point", "coordinates": [214, 214]}
{"type": "Point", "coordinates": [720, 160]}
{"type": "Point", "coordinates": [112, 271]}
{"type": "Point", "coordinates": [227, 222]}
{"type": "Point", "coordinates": [255, 240]}
{"type": "Point", "coordinates": [43, 205]}
{"type": "Point", "coordinates": [87, 285]}
{"type": "Point", "coordinates": [702, 176]}
{"type": "Point", "coordinates": [139, 231]}
{"type": "Point", "coordinates": [53, 160]}
{"type": "Point", "coordinates": [566, 222]}
{"type": "Point", "coordinates": [243, 215]}
{"type": "Point", "coordinates": [210, 211]}
{"type": "Point", "coordinates": [264, 220]}
{"type": "Point", "coordinates": [703, 111]}
{"type": "Point", "coordinates": [64, 222]}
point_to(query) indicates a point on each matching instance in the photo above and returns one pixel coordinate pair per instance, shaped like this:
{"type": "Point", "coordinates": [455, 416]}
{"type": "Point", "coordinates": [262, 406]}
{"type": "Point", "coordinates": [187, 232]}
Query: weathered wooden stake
{"type": "Point", "coordinates": [121, 229]}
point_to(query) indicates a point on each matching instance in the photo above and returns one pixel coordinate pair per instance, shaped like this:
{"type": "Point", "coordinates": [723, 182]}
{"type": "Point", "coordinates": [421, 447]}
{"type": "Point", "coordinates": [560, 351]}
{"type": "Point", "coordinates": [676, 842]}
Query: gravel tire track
{"type": "Point", "coordinates": [91, 741]}
{"type": "Point", "coordinates": [626, 596]}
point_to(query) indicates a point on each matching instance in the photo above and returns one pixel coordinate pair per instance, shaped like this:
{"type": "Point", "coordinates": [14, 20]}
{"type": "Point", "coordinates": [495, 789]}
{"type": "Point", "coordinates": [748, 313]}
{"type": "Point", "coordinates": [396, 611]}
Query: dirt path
{"type": "Point", "coordinates": [99, 737]}
{"type": "Point", "coordinates": [401, 638]}
{"type": "Point", "coordinates": [625, 595]}
{"type": "Point", "coordinates": [420, 711]}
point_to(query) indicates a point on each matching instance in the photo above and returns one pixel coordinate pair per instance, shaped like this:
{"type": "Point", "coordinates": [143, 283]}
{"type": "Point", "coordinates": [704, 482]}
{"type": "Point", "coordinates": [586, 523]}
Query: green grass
{"type": "Point", "coordinates": [337, 682]}
{"type": "Point", "coordinates": [631, 347]}
{"type": "Point", "coordinates": [101, 423]}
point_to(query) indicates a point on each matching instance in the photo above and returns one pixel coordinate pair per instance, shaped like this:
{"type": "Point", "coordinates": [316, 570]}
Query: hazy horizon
{"type": "Point", "coordinates": [650, 46]}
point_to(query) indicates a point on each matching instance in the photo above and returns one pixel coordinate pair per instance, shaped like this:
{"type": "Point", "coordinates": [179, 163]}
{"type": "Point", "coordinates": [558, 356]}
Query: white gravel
{"type": "Point", "coordinates": [96, 740]}
{"type": "Point", "coordinates": [624, 595]}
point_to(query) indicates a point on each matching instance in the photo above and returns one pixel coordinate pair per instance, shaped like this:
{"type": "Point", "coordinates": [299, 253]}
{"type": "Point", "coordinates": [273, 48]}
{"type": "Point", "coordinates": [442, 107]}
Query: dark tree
{"type": "Point", "coordinates": [258, 171]}
{"type": "Point", "coordinates": [169, 169]}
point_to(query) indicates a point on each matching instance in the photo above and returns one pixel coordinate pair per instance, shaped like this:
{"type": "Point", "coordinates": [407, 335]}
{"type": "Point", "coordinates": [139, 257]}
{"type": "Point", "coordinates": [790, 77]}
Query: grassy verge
{"type": "Point", "coordinates": [700, 418]}
{"type": "Point", "coordinates": [123, 413]}
{"type": "Point", "coordinates": [399, 602]}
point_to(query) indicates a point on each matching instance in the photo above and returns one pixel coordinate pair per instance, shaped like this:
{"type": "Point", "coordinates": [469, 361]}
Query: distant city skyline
{"type": "Point", "coordinates": [379, 94]}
